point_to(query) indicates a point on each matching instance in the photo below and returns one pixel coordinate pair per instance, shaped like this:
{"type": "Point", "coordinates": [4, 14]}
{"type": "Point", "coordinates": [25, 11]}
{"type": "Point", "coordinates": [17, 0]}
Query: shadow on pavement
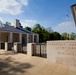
{"type": "Point", "coordinates": [10, 67]}
{"type": "Point", "coordinates": [8, 53]}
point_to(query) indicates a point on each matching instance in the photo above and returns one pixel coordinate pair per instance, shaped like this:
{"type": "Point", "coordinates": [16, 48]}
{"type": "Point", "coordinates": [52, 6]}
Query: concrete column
{"type": "Point", "coordinates": [11, 37]}
{"type": "Point", "coordinates": [31, 49]}
{"type": "Point", "coordinates": [27, 38]}
{"type": "Point", "coordinates": [17, 47]}
{"type": "Point", "coordinates": [33, 38]}
{"type": "Point", "coordinates": [20, 37]}
{"type": "Point", "coordinates": [37, 39]}
{"type": "Point", "coordinates": [8, 46]}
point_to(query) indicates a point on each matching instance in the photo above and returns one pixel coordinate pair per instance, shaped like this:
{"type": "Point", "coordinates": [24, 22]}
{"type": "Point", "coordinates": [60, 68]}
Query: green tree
{"type": "Point", "coordinates": [38, 29]}
{"type": "Point", "coordinates": [72, 36]}
{"type": "Point", "coordinates": [49, 29]}
{"type": "Point", "coordinates": [43, 33]}
{"type": "Point", "coordinates": [55, 36]}
{"type": "Point", "coordinates": [28, 28]}
{"type": "Point", "coordinates": [7, 24]}
{"type": "Point", "coordinates": [65, 36]}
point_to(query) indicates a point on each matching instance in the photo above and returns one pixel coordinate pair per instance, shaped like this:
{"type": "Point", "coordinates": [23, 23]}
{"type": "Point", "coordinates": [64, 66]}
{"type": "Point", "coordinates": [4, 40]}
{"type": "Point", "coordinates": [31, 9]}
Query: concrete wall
{"type": "Point", "coordinates": [63, 52]}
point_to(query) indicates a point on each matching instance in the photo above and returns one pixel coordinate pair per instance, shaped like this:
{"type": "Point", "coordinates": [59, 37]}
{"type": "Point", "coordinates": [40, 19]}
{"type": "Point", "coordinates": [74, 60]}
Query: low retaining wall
{"type": "Point", "coordinates": [63, 52]}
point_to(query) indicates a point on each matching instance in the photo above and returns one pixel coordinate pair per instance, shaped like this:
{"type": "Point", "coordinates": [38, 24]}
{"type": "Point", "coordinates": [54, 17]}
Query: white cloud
{"type": "Point", "coordinates": [1, 19]}
{"type": "Point", "coordinates": [13, 7]}
{"type": "Point", "coordinates": [24, 2]}
{"type": "Point", "coordinates": [65, 27]}
{"type": "Point", "coordinates": [29, 23]}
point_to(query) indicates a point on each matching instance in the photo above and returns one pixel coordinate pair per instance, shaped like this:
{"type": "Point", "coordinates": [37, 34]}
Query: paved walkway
{"type": "Point", "coordinates": [21, 64]}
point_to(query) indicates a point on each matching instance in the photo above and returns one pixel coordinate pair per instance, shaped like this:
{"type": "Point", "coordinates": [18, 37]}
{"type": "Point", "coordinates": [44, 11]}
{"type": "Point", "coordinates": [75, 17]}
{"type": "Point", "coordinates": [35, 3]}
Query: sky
{"type": "Point", "coordinates": [47, 13]}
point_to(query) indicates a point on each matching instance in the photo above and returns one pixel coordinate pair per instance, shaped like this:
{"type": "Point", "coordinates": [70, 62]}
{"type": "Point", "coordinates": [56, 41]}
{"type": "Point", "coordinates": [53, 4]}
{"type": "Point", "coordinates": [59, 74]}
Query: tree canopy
{"type": "Point", "coordinates": [43, 33]}
{"type": "Point", "coordinates": [7, 24]}
{"type": "Point", "coordinates": [28, 28]}
{"type": "Point", "coordinates": [46, 34]}
{"type": "Point", "coordinates": [72, 36]}
{"type": "Point", "coordinates": [55, 36]}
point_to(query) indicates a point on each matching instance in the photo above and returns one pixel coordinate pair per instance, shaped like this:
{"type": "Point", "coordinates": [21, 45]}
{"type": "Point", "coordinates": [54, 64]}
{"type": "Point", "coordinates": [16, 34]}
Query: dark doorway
{"type": "Point", "coordinates": [24, 47]}
{"type": "Point", "coordinates": [23, 40]}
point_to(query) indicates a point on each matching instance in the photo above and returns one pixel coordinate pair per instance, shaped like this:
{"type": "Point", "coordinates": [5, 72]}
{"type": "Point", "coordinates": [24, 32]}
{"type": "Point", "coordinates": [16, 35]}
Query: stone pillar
{"type": "Point", "coordinates": [31, 49]}
{"type": "Point", "coordinates": [8, 46]}
{"type": "Point", "coordinates": [27, 38]}
{"type": "Point", "coordinates": [37, 39]}
{"type": "Point", "coordinates": [20, 37]}
{"type": "Point", "coordinates": [17, 47]}
{"type": "Point", "coordinates": [33, 38]}
{"type": "Point", "coordinates": [11, 37]}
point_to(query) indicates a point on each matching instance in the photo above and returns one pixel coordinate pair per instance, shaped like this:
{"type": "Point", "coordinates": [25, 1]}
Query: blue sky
{"type": "Point", "coordinates": [48, 13]}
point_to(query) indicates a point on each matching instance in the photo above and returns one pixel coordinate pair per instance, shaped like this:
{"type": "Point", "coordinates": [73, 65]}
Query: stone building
{"type": "Point", "coordinates": [17, 34]}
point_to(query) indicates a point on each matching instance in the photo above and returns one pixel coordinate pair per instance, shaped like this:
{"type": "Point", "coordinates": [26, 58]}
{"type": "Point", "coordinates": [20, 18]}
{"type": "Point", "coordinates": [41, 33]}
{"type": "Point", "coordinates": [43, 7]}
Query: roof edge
{"type": "Point", "coordinates": [73, 5]}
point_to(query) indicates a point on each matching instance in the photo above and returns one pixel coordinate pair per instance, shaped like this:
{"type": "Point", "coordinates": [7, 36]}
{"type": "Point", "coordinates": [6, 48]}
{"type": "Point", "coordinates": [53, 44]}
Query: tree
{"type": "Point", "coordinates": [7, 24]}
{"type": "Point", "coordinates": [65, 36]}
{"type": "Point", "coordinates": [72, 36]}
{"type": "Point", "coordinates": [38, 29]}
{"type": "Point", "coordinates": [28, 28]}
{"type": "Point", "coordinates": [55, 36]}
{"type": "Point", "coordinates": [43, 33]}
{"type": "Point", "coordinates": [49, 29]}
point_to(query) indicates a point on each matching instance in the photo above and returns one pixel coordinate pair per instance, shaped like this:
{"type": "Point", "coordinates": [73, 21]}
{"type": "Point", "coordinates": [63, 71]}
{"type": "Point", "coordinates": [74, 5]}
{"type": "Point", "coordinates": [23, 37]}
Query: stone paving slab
{"type": "Point", "coordinates": [21, 64]}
